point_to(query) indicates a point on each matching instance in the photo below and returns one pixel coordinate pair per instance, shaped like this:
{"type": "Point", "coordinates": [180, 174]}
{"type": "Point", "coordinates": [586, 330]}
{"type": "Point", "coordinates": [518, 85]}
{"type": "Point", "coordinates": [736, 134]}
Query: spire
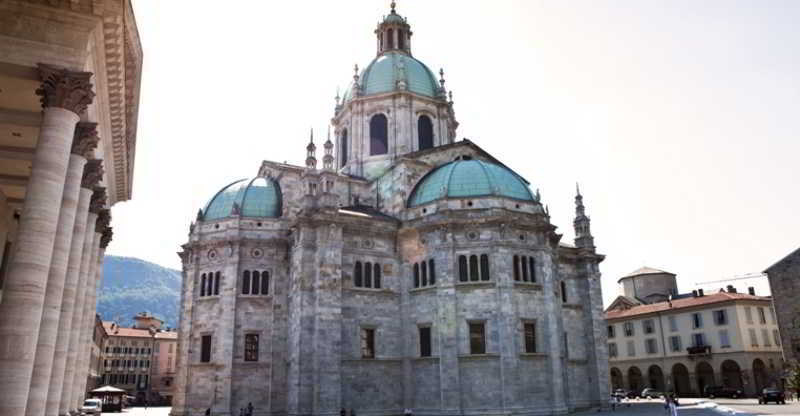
{"type": "Point", "coordinates": [583, 232]}
{"type": "Point", "coordinates": [311, 158]}
{"type": "Point", "coordinates": [327, 160]}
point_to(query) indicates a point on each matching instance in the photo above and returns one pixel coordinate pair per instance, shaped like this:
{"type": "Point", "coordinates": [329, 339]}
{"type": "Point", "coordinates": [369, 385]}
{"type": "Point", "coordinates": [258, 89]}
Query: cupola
{"type": "Point", "coordinates": [394, 33]}
{"type": "Point", "coordinates": [256, 197]}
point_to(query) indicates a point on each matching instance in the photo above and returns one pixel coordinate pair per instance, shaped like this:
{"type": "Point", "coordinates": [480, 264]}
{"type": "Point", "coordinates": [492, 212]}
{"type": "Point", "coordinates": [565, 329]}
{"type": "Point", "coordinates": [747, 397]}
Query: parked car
{"type": "Point", "coordinates": [651, 393]}
{"type": "Point", "coordinates": [771, 395]}
{"type": "Point", "coordinates": [720, 391]}
{"type": "Point", "coordinates": [624, 394]}
{"type": "Point", "coordinates": [91, 407]}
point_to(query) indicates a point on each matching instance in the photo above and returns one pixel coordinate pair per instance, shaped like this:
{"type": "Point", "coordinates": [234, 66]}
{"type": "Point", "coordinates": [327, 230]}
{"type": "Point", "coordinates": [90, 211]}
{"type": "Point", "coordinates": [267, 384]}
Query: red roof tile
{"type": "Point", "coordinates": [684, 303]}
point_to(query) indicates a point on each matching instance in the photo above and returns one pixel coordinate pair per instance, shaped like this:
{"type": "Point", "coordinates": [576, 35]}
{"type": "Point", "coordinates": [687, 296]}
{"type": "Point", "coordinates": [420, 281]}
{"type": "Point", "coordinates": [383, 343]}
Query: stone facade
{"type": "Point", "coordinates": [784, 283]}
{"type": "Point", "coordinates": [462, 304]}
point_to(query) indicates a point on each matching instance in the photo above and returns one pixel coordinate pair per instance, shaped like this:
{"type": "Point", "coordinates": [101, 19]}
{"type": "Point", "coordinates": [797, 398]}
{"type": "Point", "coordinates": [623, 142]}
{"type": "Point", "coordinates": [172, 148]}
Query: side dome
{"type": "Point", "coordinates": [257, 197]}
{"type": "Point", "coordinates": [469, 178]}
{"type": "Point", "coordinates": [386, 71]}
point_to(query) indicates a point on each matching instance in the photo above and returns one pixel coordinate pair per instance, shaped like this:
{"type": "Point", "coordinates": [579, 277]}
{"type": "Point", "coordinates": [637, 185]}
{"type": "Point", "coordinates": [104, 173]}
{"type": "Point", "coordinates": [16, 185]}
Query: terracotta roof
{"type": "Point", "coordinates": [684, 303]}
{"type": "Point", "coordinates": [136, 332]}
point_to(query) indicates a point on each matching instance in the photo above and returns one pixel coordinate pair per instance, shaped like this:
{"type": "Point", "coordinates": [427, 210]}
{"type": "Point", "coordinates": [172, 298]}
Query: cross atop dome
{"type": "Point", "coordinates": [394, 33]}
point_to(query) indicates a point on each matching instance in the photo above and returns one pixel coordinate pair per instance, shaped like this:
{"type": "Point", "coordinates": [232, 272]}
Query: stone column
{"type": "Point", "coordinates": [98, 200]}
{"type": "Point", "coordinates": [90, 247]}
{"type": "Point", "coordinates": [101, 228]}
{"type": "Point", "coordinates": [83, 143]}
{"type": "Point", "coordinates": [65, 95]}
{"type": "Point", "coordinates": [92, 173]}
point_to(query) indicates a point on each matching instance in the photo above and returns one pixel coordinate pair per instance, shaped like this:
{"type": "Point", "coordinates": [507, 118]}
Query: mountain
{"type": "Point", "coordinates": [132, 285]}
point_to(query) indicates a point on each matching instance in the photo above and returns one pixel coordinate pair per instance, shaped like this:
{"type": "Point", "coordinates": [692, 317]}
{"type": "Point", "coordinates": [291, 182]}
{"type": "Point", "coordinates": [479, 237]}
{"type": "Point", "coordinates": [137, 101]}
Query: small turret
{"type": "Point", "coordinates": [583, 232]}
{"type": "Point", "coordinates": [311, 149]}
{"type": "Point", "coordinates": [327, 160]}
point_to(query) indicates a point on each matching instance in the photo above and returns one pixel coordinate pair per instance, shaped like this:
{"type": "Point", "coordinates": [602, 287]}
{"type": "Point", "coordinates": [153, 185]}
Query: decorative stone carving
{"type": "Point", "coordinates": [106, 237]}
{"type": "Point", "coordinates": [70, 90]}
{"type": "Point", "coordinates": [92, 173]}
{"type": "Point", "coordinates": [98, 200]}
{"type": "Point", "coordinates": [85, 139]}
{"type": "Point", "coordinates": [103, 220]}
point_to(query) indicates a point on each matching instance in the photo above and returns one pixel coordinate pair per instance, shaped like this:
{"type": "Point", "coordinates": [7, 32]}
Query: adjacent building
{"type": "Point", "coordinates": [686, 342]}
{"type": "Point", "coordinates": [410, 270]}
{"type": "Point", "coordinates": [69, 92]}
{"type": "Point", "coordinates": [784, 283]}
{"type": "Point", "coordinates": [99, 337]}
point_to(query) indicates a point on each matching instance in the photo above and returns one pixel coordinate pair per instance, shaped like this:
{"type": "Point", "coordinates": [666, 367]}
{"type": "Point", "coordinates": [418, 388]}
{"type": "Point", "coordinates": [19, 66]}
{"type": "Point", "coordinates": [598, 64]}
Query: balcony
{"type": "Point", "coordinates": [699, 351]}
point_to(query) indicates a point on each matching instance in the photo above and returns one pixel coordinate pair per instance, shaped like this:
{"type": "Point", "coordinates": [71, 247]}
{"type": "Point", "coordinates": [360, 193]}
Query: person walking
{"type": "Point", "coordinates": [673, 406]}
{"type": "Point", "coordinates": [249, 409]}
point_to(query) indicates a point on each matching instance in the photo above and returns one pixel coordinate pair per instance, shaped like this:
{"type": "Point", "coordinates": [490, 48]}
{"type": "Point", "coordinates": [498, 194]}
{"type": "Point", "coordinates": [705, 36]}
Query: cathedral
{"type": "Point", "coordinates": [408, 270]}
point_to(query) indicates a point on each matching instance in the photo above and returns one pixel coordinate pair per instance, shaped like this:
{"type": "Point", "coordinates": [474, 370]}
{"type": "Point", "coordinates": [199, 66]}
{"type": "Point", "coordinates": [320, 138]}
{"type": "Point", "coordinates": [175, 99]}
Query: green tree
{"type": "Point", "coordinates": [793, 377]}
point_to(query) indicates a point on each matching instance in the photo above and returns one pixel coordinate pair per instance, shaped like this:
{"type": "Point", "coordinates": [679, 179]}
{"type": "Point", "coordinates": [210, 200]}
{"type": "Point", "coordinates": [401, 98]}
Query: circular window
{"type": "Point", "coordinates": [472, 235]}
{"type": "Point", "coordinates": [469, 204]}
{"type": "Point", "coordinates": [258, 224]}
{"type": "Point", "coordinates": [517, 206]}
{"type": "Point", "coordinates": [212, 254]}
{"type": "Point", "coordinates": [257, 252]}
{"type": "Point", "coordinates": [424, 210]}
{"type": "Point", "coordinates": [216, 225]}
{"type": "Point", "coordinates": [368, 244]}
{"type": "Point", "coordinates": [522, 237]}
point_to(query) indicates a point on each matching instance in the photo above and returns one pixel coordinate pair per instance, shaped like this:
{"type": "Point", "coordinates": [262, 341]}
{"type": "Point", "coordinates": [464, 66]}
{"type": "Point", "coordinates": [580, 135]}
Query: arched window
{"type": "Point", "coordinates": [368, 274]}
{"type": "Point", "coordinates": [210, 284]}
{"type": "Point", "coordinates": [216, 283]}
{"type": "Point", "coordinates": [390, 35]}
{"type": "Point", "coordinates": [532, 267]}
{"type": "Point", "coordinates": [203, 285]}
{"type": "Point", "coordinates": [484, 267]}
{"type": "Point", "coordinates": [358, 281]}
{"type": "Point", "coordinates": [424, 274]}
{"type": "Point", "coordinates": [425, 132]}
{"type": "Point", "coordinates": [378, 135]}
{"type": "Point", "coordinates": [431, 272]}
{"type": "Point", "coordinates": [256, 282]}
{"type": "Point", "coordinates": [377, 276]}
{"type": "Point", "coordinates": [246, 282]}
{"type": "Point", "coordinates": [343, 147]}
{"type": "Point", "coordinates": [463, 271]}
{"type": "Point", "coordinates": [564, 291]}
{"type": "Point", "coordinates": [516, 268]}
{"type": "Point", "coordinates": [524, 269]}
{"type": "Point", "coordinates": [265, 283]}
{"type": "Point", "coordinates": [416, 274]}
{"type": "Point", "coordinates": [401, 44]}
{"type": "Point", "coordinates": [473, 268]}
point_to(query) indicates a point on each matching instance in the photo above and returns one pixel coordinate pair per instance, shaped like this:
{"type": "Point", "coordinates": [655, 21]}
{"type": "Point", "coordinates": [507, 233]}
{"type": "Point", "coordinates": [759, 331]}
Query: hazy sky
{"type": "Point", "coordinates": [679, 118]}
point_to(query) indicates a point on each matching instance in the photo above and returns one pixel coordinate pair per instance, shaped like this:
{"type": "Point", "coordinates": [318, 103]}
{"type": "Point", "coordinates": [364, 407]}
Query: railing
{"type": "Point", "coordinates": [699, 350]}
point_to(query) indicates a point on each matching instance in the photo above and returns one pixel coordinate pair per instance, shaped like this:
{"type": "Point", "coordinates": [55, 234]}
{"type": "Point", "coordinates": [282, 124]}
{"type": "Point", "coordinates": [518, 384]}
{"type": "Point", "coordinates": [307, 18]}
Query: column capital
{"type": "Point", "coordinates": [105, 238]}
{"type": "Point", "coordinates": [92, 173]}
{"type": "Point", "coordinates": [103, 219]}
{"type": "Point", "coordinates": [98, 200]}
{"type": "Point", "coordinates": [85, 139]}
{"type": "Point", "coordinates": [70, 90]}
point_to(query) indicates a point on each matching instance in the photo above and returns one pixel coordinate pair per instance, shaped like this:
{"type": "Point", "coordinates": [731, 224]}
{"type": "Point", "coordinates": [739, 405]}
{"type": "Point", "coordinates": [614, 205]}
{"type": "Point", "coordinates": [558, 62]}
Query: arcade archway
{"type": "Point", "coordinates": [680, 380]}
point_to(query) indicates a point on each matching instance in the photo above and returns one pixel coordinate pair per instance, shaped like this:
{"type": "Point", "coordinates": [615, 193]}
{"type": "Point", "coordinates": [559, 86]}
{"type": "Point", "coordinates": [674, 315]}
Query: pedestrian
{"type": "Point", "coordinates": [145, 404]}
{"type": "Point", "coordinates": [249, 409]}
{"type": "Point", "coordinates": [673, 407]}
{"type": "Point", "coordinates": [208, 412]}
{"type": "Point", "coordinates": [666, 405]}
{"type": "Point", "coordinates": [343, 412]}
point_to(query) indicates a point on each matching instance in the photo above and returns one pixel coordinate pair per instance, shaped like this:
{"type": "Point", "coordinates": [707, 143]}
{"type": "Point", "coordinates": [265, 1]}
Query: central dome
{"type": "Point", "coordinates": [389, 69]}
{"type": "Point", "coordinates": [469, 178]}
{"type": "Point", "coordinates": [257, 197]}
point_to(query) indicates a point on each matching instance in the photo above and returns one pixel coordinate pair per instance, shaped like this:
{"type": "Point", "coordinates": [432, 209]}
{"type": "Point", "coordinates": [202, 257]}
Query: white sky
{"type": "Point", "coordinates": [679, 119]}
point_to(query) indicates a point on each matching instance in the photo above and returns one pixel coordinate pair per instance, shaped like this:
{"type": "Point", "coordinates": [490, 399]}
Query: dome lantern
{"type": "Point", "coordinates": [394, 33]}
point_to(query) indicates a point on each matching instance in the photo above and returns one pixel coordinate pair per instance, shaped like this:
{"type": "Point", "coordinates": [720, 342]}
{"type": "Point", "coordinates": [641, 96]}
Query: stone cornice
{"type": "Point", "coordinates": [62, 88]}
{"type": "Point", "coordinates": [92, 173]}
{"type": "Point", "coordinates": [85, 139]}
{"type": "Point", "coordinates": [98, 200]}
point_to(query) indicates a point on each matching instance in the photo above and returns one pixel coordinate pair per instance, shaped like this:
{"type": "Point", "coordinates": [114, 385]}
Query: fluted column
{"type": "Point", "coordinates": [103, 219]}
{"type": "Point", "coordinates": [98, 200]}
{"type": "Point", "coordinates": [92, 173]}
{"type": "Point", "coordinates": [65, 94]}
{"type": "Point", "coordinates": [84, 141]}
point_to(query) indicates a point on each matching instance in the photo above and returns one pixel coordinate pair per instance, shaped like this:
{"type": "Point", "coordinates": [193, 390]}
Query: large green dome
{"type": "Point", "coordinates": [383, 74]}
{"type": "Point", "coordinates": [469, 178]}
{"type": "Point", "coordinates": [257, 197]}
